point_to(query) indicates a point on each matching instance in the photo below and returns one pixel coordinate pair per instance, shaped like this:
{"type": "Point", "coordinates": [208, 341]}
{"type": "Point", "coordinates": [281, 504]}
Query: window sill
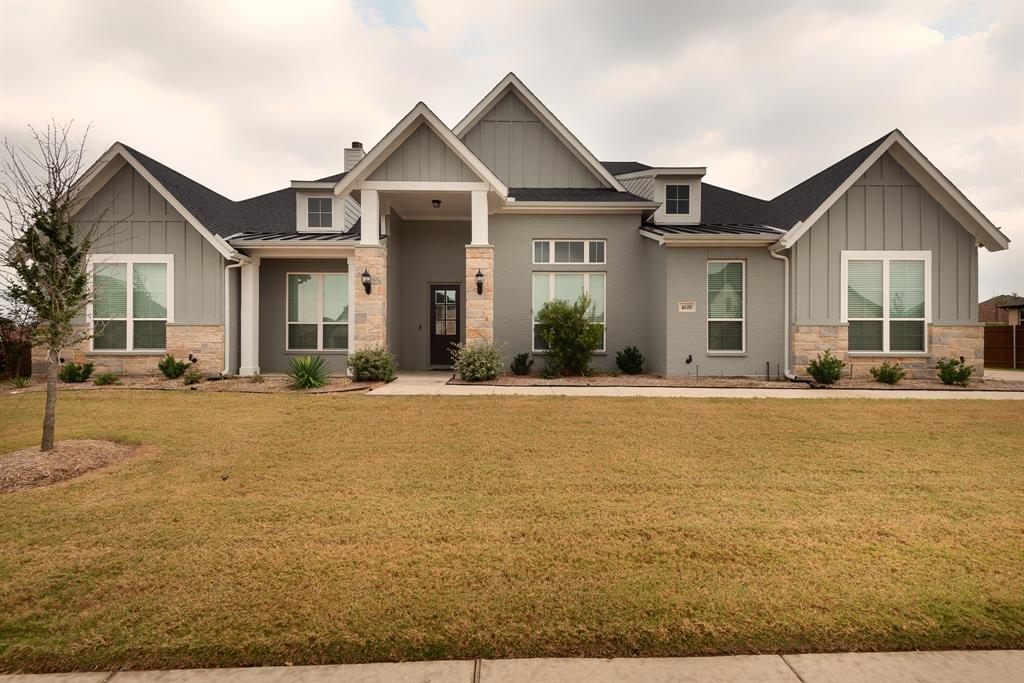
{"type": "Point", "coordinates": [734, 354]}
{"type": "Point", "coordinates": [115, 352]}
{"type": "Point", "coordinates": [319, 352]}
{"type": "Point", "coordinates": [897, 354]}
{"type": "Point", "coordinates": [544, 353]}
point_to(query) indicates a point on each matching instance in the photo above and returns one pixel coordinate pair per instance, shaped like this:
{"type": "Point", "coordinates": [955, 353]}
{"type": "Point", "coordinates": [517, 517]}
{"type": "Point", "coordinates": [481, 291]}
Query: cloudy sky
{"type": "Point", "coordinates": [247, 96]}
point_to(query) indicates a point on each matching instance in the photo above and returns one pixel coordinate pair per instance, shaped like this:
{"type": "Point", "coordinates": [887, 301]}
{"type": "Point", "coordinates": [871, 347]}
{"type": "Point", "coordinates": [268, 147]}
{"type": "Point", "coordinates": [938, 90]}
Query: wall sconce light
{"type": "Point", "coordinates": [436, 203]}
{"type": "Point", "coordinates": [479, 282]}
{"type": "Point", "coordinates": [365, 279]}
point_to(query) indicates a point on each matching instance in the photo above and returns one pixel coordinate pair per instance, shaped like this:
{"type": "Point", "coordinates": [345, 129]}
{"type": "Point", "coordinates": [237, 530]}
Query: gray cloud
{"type": "Point", "coordinates": [247, 97]}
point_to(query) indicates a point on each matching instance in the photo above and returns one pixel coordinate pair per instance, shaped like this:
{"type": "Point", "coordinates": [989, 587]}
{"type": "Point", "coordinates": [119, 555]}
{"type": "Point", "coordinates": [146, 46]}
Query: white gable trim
{"type": "Point", "coordinates": [512, 82]}
{"type": "Point", "coordinates": [101, 172]}
{"type": "Point", "coordinates": [931, 179]}
{"type": "Point", "coordinates": [420, 114]}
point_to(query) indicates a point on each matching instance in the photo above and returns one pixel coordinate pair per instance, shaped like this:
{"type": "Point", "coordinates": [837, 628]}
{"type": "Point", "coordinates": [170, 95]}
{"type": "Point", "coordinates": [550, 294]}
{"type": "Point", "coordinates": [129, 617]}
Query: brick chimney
{"type": "Point", "coordinates": [353, 154]}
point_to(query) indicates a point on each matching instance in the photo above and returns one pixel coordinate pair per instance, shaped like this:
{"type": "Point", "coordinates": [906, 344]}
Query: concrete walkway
{"type": "Point", "coordinates": [435, 384]}
{"type": "Point", "coordinates": [994, 666]}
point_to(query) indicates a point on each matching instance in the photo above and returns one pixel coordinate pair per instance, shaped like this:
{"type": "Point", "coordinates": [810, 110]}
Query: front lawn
{"type": "Point", "coordinates": [264, 529]}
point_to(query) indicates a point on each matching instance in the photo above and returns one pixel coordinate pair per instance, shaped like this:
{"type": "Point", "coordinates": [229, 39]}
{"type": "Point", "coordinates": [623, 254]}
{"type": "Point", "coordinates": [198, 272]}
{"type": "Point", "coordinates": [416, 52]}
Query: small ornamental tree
{"type": "Point", "coordinates": [48, 256]}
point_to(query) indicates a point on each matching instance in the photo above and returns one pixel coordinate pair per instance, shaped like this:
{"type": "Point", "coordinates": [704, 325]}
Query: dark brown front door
{"type": "Point", "coordinates": [444, 323]}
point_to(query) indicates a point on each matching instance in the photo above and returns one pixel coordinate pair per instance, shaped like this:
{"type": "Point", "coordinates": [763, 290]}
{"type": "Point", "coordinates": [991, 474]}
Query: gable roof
{"type": "Point", "coordinates": [512, 82]}
{"type": "Point", "coordinates": [623, 167]}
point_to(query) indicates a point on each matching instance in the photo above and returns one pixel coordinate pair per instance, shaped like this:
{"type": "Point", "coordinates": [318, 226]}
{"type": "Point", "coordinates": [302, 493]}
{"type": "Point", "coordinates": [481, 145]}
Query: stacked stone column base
{"type": "Point", "coordinates": [370, 311]}
{"type": "Point", "coordinates": [479, 307]}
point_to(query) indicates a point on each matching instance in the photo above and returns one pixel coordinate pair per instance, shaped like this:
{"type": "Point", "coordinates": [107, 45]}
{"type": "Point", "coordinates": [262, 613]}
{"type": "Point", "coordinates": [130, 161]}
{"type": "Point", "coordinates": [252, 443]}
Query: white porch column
{"type": "Point", "coordinates": [369, 220]}
{"type": "Point", "coordinates": [479, 218]}
{"type": "Point", "coordinates": [249, 329]}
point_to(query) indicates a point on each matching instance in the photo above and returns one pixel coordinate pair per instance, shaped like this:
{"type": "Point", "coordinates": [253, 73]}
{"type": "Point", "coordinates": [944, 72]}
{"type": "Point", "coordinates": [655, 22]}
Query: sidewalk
{"type": "Point", "coordinates": [435, 384]}
{"type": "Point", "coordinates": [994, 666]}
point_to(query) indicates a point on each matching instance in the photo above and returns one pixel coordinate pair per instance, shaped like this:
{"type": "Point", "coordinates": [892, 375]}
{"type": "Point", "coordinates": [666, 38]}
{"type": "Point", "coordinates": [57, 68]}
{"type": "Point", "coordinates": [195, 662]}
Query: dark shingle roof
{"type": "Point", "coordinates": [621, 167]}
{"type": "Point", "coordinates": [572, 194]}
{"type": "Point", "coordinates": [738, 229]}
{"type": "Point", "coordinates": [719, 205]}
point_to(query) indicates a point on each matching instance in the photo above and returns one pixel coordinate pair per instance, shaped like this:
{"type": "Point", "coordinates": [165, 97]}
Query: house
{"type": "Point", "coordinates": [998, 309]}
{"type": "Point", "coordinates": [442, 234]}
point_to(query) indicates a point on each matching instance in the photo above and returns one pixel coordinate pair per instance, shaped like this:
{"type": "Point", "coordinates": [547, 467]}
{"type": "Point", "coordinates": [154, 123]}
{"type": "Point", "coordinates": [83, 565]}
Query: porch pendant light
{"type": "Point", "coordinates": [365, 279]}
{"type": "Point", "coordinates": [479, 282]}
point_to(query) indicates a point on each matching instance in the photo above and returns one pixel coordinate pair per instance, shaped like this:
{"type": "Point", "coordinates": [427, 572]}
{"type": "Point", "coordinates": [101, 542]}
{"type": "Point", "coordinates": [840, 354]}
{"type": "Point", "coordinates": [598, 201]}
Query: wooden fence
{"type": "Point", "coordinates": [1004, 346]}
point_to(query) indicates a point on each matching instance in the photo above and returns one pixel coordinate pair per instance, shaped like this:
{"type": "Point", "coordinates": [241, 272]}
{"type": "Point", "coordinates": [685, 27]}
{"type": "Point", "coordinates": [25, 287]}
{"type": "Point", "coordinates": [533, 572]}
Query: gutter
{"type": "Point", "coordinates": [785, 307]}
{"type": "Point", "coordinates": [242, 260]}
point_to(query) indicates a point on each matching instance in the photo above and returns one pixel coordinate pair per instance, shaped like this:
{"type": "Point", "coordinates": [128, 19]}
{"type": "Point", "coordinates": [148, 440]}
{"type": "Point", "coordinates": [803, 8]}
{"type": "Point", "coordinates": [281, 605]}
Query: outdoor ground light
{"type": "Point", "coordinates": [365, 278]}
{"type": "Point", "coordinates": [479, 282]}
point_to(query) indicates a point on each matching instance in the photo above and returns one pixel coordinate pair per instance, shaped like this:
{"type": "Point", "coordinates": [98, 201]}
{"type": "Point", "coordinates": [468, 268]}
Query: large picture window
{"type": "Point", "coordinates": [317, 312]}
{"type": "Point", "coordinates": [726, 322]}
{"type": "Point", "coordinates": [131, 301]}
{"type": "Point", "coordinates": [568, 287]}
{"type": "Point", "coordinates": [887, 300]}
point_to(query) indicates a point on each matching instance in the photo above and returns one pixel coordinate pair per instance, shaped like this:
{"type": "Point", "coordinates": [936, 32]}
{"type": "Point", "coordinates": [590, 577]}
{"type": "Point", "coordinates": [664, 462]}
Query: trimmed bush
{"type": "Point", "coordinates": [630, 360]}
{"type": "Point", "coordinates": [888, 373]}
{"type": "Point", "coordinates": [478, 361]}
{"type": "Point", "coordinates": [21, 382]}
{"type": "Point", "coordinates": [106, 379]}
{"type": "Point", "coordinates": [74, 373]}
{"type": "Point", "coordinates": [172, 368]}
{"type": "Point", "coordinates": [372, 364]}
{"type": "Point", "coordinates": [826, 368]}
{"type": "Point", "coordinates": [307, 372]}
{"type": "Point", "coordinates": [954, 371]}
{"type": "Point", "coordinates": [192, 376]}
{"type": "Point", "coordinates": [521, 364]}
{"type": "Point", "coordinates": [570, 336]}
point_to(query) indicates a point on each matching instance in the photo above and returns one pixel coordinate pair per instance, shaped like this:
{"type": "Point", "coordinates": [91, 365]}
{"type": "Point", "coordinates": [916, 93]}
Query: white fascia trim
{"type": "Point", "coordinates": [397, 135]}
{"type": "Point", "coordinates": [576, 207]}
{"type": "Point", "coordinates": [313, 184]}
{"type": "Point", "coordinates": [665, 170]}
{"type": "Point", "coordinates": [996, 240]}
{"type": "Point", "coordinates": [653, 236]}
{"type": "Point", "coordinates": [717, 241]}
{"type": "Point", "coordinates": [289, 250]}
{"type": "Point", "coordinates": [539, 109]}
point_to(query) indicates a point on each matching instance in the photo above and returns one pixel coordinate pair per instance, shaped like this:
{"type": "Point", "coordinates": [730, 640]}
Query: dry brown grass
{"type": "Point", "coordinates": [353, 528]}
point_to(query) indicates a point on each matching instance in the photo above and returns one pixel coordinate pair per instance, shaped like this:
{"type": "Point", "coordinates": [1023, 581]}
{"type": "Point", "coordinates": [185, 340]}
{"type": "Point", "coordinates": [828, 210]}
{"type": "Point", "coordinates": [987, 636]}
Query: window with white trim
{"type": "Point", "coordinates": [319, 212]}
{"type": "Point", "coordinates": [131, 316]}
{"type": "Point", "coordinates": [677, 199]}
{"type": "Point", "coordinates": [568, 287]}
{"type": "Point", "coordinates": [886, 300]}
{"type": "Point", "coordinates": [726, 306]}
{"type": "Point", "coordinates": [568, 251]}
{"type": "Point", "coordinates": [317, 317]}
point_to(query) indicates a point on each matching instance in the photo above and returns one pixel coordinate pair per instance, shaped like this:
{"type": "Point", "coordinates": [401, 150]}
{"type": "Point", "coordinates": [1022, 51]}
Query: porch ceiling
{"type": "Point", "coordinates": [418, 205]}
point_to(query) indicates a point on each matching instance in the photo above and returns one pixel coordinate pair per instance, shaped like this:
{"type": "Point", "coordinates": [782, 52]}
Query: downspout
{"type": "Point", "coordinates": [772, 251]}
{"type": "Point", "coordinates": [227, 315]}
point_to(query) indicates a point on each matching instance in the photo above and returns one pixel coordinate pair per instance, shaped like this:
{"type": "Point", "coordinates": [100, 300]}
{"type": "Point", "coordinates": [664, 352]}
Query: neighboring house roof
{"type": "Point", "coordinates": [1003, 300]}
{"type": "Point", "coordinates": [1017, 305]}
{"type": "Point", "coordinates": [572, 194]}
{"type": "Point", "coordinates": [623, 167]}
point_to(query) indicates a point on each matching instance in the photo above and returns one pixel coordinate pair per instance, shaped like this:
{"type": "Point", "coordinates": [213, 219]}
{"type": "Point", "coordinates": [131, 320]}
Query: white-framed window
{"type": "Point", "coordinates": [317, 311]}
{"type": "Point", "coordinates": [568, 287]}
{"type": "Point", "coordinates": [319, 212]}
{"type": "Point", "coordinates": [569, 251]}
{"type": "Point", "coordinates": [677, 199]}
{"type": "Point", "coordinates": [132, 301]}
{"type": "Point", "coordinates": [886, 300]}
{"type": "Point", "coordinates": [727, 285]}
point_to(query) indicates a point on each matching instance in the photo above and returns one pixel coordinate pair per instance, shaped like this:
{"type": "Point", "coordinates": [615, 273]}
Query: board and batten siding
{"type": "Point", "coordinates": [523, 151]}
{"type": "Point", "coordinates": [885, 210]}
{"type": "Point", "coordinates": [138, 220]}
{"type": "Point", "coordinates": [423, 156]}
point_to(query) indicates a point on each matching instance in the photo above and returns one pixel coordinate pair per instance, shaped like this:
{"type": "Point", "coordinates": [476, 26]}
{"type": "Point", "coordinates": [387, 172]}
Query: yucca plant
{"type": "Point", "coordinates": [307, 372]}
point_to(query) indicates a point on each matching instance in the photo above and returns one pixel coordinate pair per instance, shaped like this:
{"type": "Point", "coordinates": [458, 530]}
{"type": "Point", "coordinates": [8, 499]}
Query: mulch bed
{"type": "Point", "coordinates": [647, 380]}
{"type": "Point", "coordinates": [30, 467]}
{"type": "Point", "coordinates": [268, 384]}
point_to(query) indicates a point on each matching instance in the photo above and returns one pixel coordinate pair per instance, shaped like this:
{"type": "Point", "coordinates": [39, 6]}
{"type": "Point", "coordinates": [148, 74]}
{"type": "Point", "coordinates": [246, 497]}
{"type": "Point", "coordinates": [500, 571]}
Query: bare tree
{"type": "Point", "coordinates": [46, 251]}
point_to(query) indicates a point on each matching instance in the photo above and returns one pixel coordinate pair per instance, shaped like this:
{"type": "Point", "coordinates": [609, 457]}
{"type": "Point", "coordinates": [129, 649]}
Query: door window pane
{"type": "Point", "coordinates": [302, 336]}
{"type": "Point", "coordinates": [302, 298]}
{"type": "Point", "coordinates": [906, 289]}
{"type": "Point", "coordinates": [865, 335]}
{"type": "Point", "coordinates": [110, 334]}
{"type": "Point", "coordinates": [335, 297]}
{"type": "Point", "coordinates": [110, 290]}
{"type": "Point", "coordinates": [725, 290]}
{"type": "Point", "coordinates": [725, 335]}
{"type": "Point", "coordinates": [864, 289]}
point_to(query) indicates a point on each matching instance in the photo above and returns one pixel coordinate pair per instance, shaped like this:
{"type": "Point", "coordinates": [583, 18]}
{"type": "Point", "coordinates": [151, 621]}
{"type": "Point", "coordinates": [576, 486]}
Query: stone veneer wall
{"type": "Point", "coordinates": [370, 311]}
{"type": "Point", "coordinates": [206, 342]}
{"type": "Point", "coordinates": [943, 341]}
{"type": "Point", "coordinates": [479, 307]}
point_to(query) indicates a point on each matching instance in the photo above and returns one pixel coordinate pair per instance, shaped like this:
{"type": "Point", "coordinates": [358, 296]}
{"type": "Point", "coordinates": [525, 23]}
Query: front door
{"type": "Point", "coordinates": [444, 323]}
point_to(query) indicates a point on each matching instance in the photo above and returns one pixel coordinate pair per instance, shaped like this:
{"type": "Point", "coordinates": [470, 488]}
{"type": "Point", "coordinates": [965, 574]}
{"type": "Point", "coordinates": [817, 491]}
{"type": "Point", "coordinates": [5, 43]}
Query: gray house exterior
{"type": "Point", "coordinates": [444, 234]}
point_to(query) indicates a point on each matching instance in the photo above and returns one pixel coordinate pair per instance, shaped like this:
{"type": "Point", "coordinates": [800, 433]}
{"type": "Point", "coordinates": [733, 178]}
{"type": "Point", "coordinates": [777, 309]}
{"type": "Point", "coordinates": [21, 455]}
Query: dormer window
{"type": "Point", "coordinates": [319, 212]}
{"type": "Point", "coordinates": [677, 199]}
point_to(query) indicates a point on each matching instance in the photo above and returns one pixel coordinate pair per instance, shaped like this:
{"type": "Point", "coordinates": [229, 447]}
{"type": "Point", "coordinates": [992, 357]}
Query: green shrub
{"type": "Point", "coordinates": [106, 378]}
{"type": "Point", "coordinates": [192, 376]}
{"type": "Point", "coordinates": [630, 360]}
{"type": "Point", "coordinates": [478, 361]}
{"type": "Point", "coordinates": [954, 371]}
{"type": "Point", "coordinates": [888, 373]}
{"type": "Point", "coordinates": [173, 369]}
{"type": "Point", "coordinates": [521, 364]}
{"type": "Point", "coordinates": [75, 373]}
{"type": "Point", "coordinates": [307, 372]}
{"type": "Point", "coordinates": [256, 379]}
{"type": "Point", "coordinates": [826, 368]}
{"type": "Point", "coordinates": [569, 335]}
{"type": "Point", "coordinates": [21, 382]}
{"type": "Point", "coordinates": [372, 364]}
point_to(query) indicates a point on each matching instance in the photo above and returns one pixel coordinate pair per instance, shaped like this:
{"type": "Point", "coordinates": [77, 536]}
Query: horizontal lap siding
{"type": "Point", "coordinates": [136, 219]}
{"type": "Point", "coordinates": [885, 210]}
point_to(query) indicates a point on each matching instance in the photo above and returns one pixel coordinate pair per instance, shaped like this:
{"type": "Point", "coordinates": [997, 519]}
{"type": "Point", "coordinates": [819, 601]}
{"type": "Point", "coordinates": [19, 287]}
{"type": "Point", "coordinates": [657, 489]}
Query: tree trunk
{"type": "Point", "coordinates": [50, 416]}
